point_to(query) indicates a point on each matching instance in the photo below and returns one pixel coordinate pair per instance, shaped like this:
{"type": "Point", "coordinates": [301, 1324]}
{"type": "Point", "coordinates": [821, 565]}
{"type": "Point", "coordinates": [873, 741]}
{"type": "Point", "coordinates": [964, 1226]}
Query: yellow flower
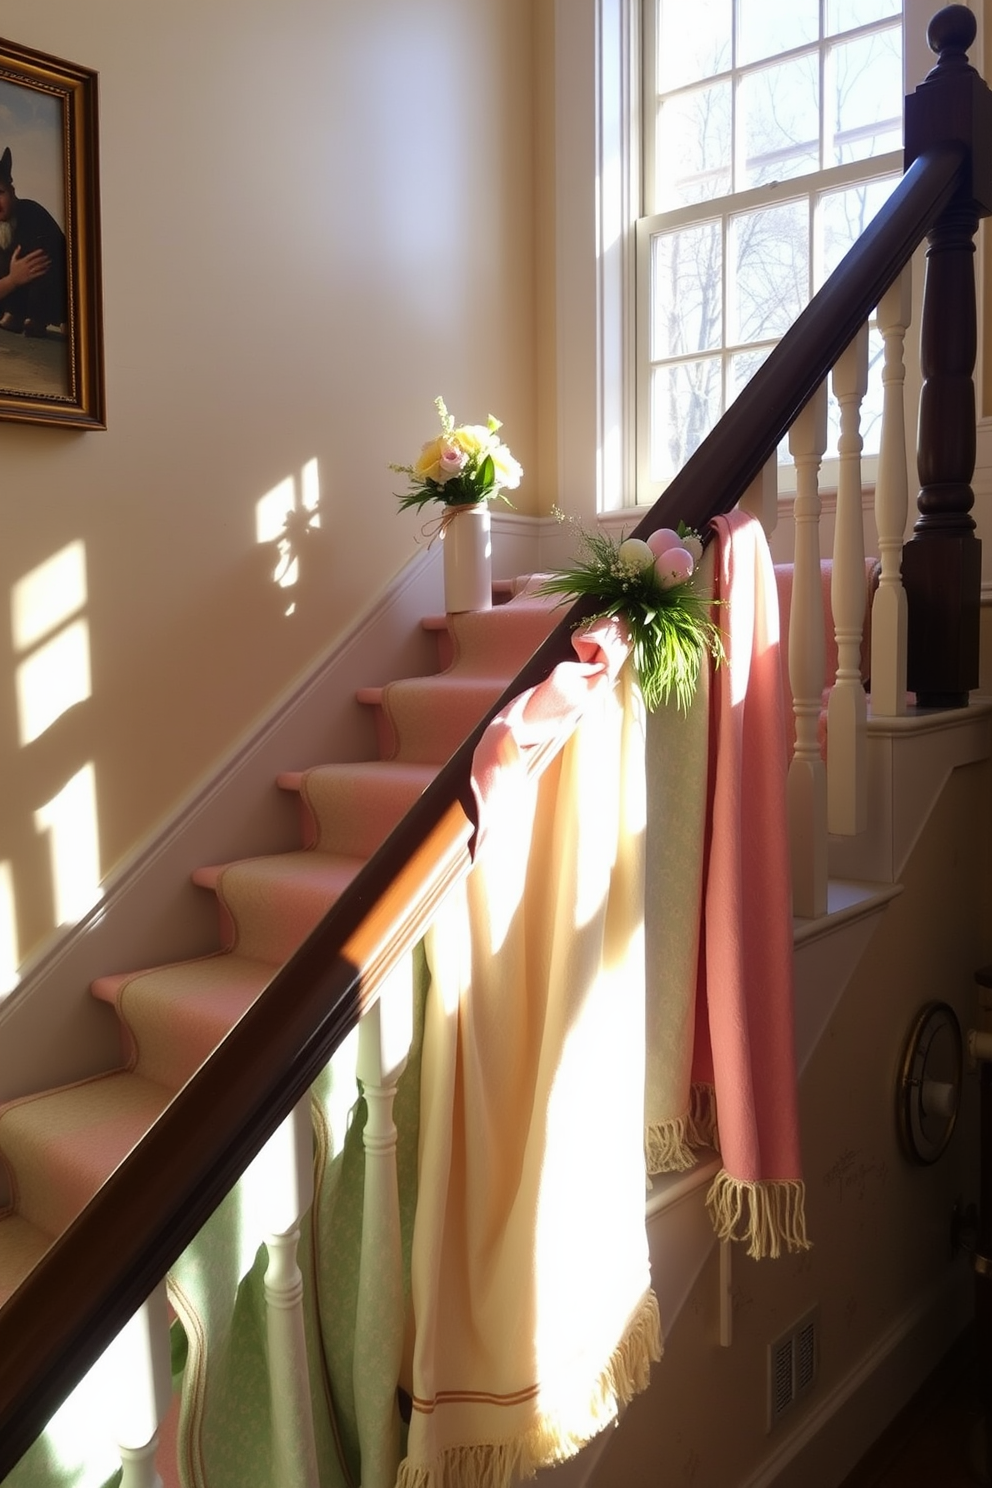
{"type": "Point", "coordinates": [474, 439]}
{"type": "Point", "coordinates": [429, 461]}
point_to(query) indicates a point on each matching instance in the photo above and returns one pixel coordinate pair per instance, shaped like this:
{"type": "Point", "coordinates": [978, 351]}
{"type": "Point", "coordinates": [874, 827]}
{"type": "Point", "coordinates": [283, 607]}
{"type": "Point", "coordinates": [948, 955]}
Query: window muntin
{"type": "Point", "coordinates": [773, 134]}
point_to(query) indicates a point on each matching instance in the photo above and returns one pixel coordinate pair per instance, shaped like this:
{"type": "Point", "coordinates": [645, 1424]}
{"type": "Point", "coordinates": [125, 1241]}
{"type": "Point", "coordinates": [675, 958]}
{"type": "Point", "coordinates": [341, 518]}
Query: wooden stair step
{"type": "Point", "coordinates": [62, 1145]}
{"type": "Point", "coordinates": [422, 720]}
{"type": "Point", "coordinates": [352, 808]}
{"type": "Point", "coordinates": [173, 1017]}
{"type": "Point", "coordinates": [269, 905]}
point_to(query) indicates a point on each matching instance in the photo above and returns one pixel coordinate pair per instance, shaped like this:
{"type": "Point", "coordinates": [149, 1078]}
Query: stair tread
{"type": "Point", "coordinates": [272, 903]}
{"type": "Point", "coordinates": [378, 771]}
{"type": "Point", "coordinates": [217, 968]}
{"type": "Point", "coordinates": [309, 866]}
{"type": "Point", "coordinates": [352, 809]}
{"type": "Point", "coordinates": [427, 724]}
{"type": "Point", "coordinates": [61, 1145]}
{"type": "Point", "coordinates": [176, 1015]}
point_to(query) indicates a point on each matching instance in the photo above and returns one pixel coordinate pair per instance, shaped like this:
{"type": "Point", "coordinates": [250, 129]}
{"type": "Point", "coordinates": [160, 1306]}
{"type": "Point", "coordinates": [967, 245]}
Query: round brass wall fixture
{"type": "Point", "coordinates": [930, 1083]}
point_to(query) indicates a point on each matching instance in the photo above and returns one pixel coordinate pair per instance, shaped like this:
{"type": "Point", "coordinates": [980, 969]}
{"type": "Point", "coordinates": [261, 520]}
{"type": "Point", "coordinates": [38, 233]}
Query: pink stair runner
{"type": "Point", "coordinates": [58, 1147]}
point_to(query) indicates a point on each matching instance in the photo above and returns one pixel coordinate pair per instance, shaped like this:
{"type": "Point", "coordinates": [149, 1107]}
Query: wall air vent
{"type": "Point", "coordinates": [792, 1364]}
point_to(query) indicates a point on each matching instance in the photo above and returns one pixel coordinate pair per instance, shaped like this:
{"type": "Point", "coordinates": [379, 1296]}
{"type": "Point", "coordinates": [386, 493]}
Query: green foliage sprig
{"type": "Point", "coordinates": [652, 588]}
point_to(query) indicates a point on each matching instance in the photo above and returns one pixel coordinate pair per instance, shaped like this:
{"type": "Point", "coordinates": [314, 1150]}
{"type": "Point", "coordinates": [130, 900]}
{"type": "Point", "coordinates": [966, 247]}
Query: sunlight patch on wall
{"type": "Point", "coordinates": [48, 595]}
{"type": "Point", "coordinates": [9, 959]}
{"type": "Point", "coordinates": [283, 517]}
{"type": "Point", "coordinates": [52, 679]}
{"type": "Point", "coordinates": [310, 491]}
{"type": "Point", "coordinates": [70, 820]}
{"type": "Point", "coordinates": [56, 673]}
{"type": "Point", "coordinates": [272, 509]}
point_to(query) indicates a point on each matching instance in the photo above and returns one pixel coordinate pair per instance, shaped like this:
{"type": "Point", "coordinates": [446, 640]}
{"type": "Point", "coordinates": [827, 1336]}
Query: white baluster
{"type": "Point", "coordinates": [136, 1374]}
{"type": "Point", "coordinates": [281, 1181]}
{"type": "Point", "coordinates": [847, 710]}
{"type": "Point", "coordinates": [761, 496]}
{"type": "Point", "coordinates": [807, 774]}
{"type": "Point", "coordinates": [383, 1044]}
{"type": "Point", "coordinates": [889, 615]}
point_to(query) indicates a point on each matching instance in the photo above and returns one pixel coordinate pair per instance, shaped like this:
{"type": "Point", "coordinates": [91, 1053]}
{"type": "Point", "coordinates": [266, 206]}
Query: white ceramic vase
{"type": "Point", "coordinates": [468, 569]}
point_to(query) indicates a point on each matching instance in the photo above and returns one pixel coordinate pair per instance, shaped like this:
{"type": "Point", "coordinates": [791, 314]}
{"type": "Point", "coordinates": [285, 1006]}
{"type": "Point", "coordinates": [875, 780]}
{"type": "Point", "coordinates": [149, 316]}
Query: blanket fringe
{"type": "Point", "coordinates": [668, 1147]}
{"type": "Point", "coordinates": [671, 1146]}
{"type": "Point", "coordinates": [768, 1215]}
{"type": "Point", "coordinates": [552, 1438]}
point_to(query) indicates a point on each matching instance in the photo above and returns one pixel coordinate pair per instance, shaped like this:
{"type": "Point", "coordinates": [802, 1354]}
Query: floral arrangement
{"type": "Point", "coordinates": [462, 466]}
{"type": "Point", "coordinates": [650, 584]}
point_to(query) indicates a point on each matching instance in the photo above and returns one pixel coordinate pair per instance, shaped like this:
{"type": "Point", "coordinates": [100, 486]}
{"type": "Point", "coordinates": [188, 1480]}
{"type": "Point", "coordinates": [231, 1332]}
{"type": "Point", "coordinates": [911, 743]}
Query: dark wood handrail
{"type": "Point", "coordinates": [91, 1281]}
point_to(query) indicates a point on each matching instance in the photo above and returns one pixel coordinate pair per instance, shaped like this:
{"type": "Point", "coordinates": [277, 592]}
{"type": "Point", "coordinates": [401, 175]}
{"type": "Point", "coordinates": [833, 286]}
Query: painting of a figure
{"type": "Point", "coordinates": [34, 306]}
{"type": "Point", "coordinates": [51, 364]}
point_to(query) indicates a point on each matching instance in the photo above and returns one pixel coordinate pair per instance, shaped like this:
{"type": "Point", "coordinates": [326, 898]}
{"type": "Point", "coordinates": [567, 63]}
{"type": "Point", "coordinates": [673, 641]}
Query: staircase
{"type": "Point", "coordinates": [312, 941]}
{"type": "Point", "coordinates": [59, 1147]}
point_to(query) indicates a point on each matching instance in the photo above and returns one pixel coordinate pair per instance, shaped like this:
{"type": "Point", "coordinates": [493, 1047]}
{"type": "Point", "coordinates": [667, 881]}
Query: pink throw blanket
{"type": "Point", "coordinates": [746, 962]}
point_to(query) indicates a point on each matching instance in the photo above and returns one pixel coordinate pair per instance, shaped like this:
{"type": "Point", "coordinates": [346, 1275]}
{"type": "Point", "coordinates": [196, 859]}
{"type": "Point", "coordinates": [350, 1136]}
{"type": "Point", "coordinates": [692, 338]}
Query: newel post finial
{"type": "Point", "coordinates": [950, 33]}
{"type": "Point", "coordinates": [951, 108]}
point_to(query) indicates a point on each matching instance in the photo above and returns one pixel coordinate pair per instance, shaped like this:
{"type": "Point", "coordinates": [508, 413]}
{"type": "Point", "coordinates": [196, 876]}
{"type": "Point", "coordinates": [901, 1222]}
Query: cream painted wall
{"type": "Point", "coordinates": [315, 218]}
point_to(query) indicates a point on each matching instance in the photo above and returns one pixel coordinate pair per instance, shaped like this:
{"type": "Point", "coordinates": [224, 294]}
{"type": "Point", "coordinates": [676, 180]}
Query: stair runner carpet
{"type": "Point", "coordinates": [57, 1147]}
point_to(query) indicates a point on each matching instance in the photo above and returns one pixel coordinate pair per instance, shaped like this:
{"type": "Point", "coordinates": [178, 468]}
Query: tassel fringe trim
{"type": "Point", "coordinates": [769, 1215]}
{"type": "Point", "coordinates": [667, 1148]}
{"type": "Point", "coordinates": [671, 1146]}
{"type": "Point", "coordinates": [552, 1438]}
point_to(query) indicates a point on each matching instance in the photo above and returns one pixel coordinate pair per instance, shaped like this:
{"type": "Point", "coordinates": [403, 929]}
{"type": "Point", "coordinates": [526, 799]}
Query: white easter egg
{"type": "Point", "coordinates": [636, 553]}
{"type": "Point", "coordinates": [694, 546]}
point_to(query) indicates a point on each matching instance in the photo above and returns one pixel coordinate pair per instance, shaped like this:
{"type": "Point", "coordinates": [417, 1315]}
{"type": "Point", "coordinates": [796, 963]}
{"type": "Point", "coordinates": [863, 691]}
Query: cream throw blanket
{"type": "Point", "coordinates": [533, 1315]}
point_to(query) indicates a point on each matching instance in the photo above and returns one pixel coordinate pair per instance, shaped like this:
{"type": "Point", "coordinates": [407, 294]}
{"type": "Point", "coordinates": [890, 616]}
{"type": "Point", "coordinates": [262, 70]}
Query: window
{"type": "Point", "coordinates": [772, 133]}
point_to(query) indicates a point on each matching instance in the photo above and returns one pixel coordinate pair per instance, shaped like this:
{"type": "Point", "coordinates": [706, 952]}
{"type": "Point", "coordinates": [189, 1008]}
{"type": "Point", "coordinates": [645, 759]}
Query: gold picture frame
{"type": "Point", "coordinates": [51, 321]}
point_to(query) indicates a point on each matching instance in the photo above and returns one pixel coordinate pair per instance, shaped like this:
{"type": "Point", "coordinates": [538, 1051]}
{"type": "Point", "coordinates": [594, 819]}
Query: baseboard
{"type": "Point", "coordinates": [840, 1427]}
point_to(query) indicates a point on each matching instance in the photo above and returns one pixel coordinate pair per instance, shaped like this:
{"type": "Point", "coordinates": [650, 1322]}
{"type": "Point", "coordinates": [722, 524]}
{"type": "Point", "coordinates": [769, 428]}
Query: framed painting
{"type": "Point", "coordinates": [51, 330]}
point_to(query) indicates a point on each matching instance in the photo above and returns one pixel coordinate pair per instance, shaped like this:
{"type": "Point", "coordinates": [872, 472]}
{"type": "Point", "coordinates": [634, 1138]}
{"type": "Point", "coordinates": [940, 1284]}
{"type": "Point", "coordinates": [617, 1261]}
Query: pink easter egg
{"type": "Point", "coordinates": [673, 567]}
{"type": "Point", "coordinates": [659, 542]}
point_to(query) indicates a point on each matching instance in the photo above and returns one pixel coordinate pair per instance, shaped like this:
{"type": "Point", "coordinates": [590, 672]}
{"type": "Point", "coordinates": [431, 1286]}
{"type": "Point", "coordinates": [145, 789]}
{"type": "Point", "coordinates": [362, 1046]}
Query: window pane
{"type": "Point", "coordinates": [685, 404]}
{"type": "Point", "coordinates": [686, 291]}
{"type": "Point", "coordinates": [769, 27]}
{"type": "Point", "coordinates": [769, 271]}
{"type": "Point", "coordinates": [780, 107]}
{"type": "Point", "coordinates": [693, 41]}
{"type": "Point", "coordinates": [693, 147]}
{"type": "Point", "coordinates": [844, 215]}
{"type": "Point", "coordinates": [864, 97]}
{"type": "Point", "coordinates": [742, 368]}
{"type": "Point", "coordinates": [844, 15]}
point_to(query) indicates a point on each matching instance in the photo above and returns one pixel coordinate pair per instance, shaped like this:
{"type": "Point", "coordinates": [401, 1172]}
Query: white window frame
{"type": "Point", "coordinates": [597, 204]}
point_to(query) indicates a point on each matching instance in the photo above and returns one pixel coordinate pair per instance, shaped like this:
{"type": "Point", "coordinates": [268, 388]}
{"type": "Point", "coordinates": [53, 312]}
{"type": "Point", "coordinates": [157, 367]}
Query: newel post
{"type": "Point", "coordinates": [942, 563]}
